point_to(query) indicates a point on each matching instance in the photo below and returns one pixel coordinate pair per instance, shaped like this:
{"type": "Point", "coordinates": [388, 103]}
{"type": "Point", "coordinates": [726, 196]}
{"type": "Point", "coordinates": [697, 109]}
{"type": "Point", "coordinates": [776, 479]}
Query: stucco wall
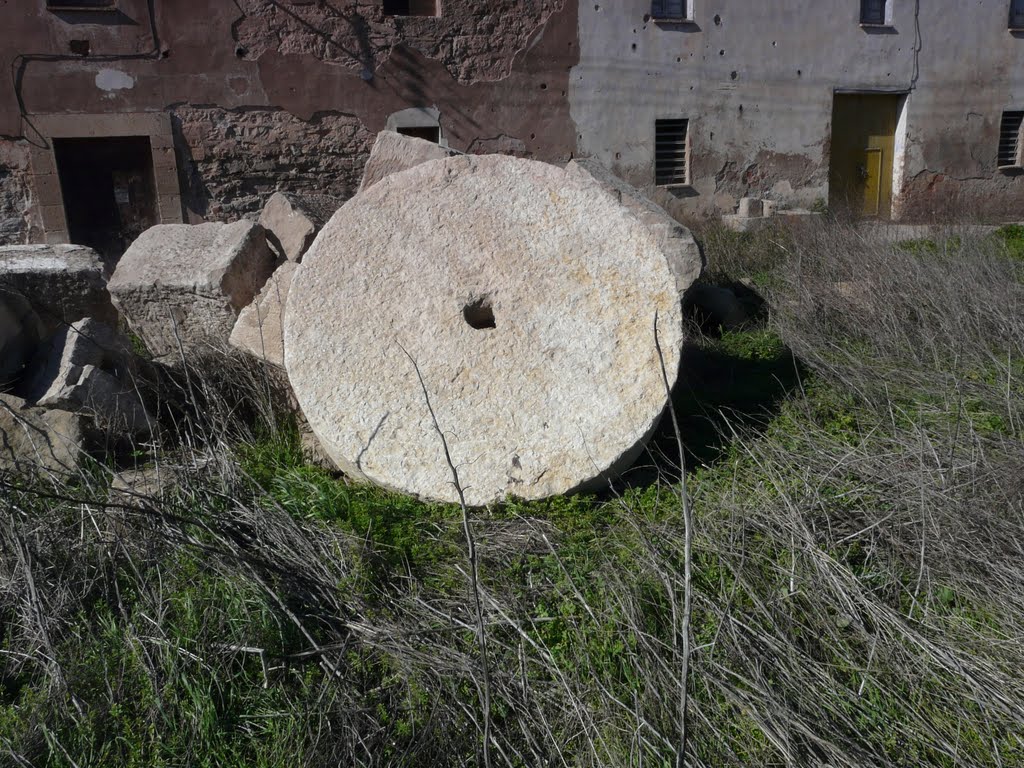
{"type": "Point", "coordinates": [757, 80]}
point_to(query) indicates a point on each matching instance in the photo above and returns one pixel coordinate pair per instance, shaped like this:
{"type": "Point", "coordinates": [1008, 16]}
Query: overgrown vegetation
{"type": "Point", "coordinates": [856, 476]}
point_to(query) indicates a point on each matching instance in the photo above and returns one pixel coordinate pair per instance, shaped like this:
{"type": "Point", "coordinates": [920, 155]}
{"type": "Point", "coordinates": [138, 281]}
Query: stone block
{"type": "Point", "coordinates": [292, 221]}
{"type": "Point", "coordinates": [54, 219]}
{"type": "Point", "coordinates": [63, 283]}
{"type": "Point", "coordinates": [392, 153]}
{"type": "Point", "coordinates": [181, 287]}
{"type": "Point", "coordinates": [33, 439]}
{"type": "Point", "coordinates": [259, 329]}
{"type": "Point", "coordinates": [679, 246]}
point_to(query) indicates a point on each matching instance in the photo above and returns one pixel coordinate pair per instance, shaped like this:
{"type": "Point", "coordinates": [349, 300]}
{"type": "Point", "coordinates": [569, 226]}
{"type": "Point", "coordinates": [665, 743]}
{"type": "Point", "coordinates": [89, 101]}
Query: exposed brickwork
{"type": "Point", "coordinates": [233, 160]}
{"type": "Point", "coordinates": [475, 41]}
{"type": "Point", "coordinates": [16, 224]}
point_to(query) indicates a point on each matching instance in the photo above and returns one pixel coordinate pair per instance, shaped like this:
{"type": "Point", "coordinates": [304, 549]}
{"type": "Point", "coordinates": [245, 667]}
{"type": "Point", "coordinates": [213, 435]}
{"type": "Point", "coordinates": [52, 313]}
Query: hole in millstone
{"type": "Point", "coordinates": [479, 314]}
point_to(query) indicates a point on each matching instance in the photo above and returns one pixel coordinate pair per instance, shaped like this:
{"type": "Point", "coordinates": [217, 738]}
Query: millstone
{"type": "Point", "coordinates": [527, 300]}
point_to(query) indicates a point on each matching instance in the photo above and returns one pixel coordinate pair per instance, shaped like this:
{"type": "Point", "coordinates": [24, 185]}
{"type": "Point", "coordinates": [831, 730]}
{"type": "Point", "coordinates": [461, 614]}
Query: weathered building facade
{"type": "Point", "coordinates": [123, 113]}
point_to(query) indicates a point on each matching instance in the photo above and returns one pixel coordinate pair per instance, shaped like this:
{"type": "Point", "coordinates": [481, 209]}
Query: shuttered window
{"type": "Point", "coordinates": [670, 156]}
{"type": "Point", "coordinates": [1016, 14]}
{"type": "Point", "coordinates": [1009, 140]}
{"type": "Point", "coordinates": [670, 9]}
{"type": "Point", "coordinates": [872, 11]}
{"type": "Point", "coordinates": [79, 5]}
{"type": "Point", "coordinates": [410, 8]}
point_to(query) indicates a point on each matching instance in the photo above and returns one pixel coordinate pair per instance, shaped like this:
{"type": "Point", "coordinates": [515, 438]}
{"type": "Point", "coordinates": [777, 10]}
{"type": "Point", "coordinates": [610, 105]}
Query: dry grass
{"type": "Point", "coordinates": [857, 569]}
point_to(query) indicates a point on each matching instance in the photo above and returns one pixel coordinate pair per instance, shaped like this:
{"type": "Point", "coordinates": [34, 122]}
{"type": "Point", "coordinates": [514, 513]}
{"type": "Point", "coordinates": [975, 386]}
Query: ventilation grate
{"type": "Point", "coordinates": [1009, 139]}
{"type": "Point", "coordinates": [670, 166]}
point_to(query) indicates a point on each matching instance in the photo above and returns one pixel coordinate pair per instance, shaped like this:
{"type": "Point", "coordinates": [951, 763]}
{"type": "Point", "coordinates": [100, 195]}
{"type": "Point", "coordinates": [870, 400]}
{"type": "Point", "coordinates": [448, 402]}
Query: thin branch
{"type": "Point", "coordinates": [474, 573]}
{"type": "Point", "coordinates": [684, 630]}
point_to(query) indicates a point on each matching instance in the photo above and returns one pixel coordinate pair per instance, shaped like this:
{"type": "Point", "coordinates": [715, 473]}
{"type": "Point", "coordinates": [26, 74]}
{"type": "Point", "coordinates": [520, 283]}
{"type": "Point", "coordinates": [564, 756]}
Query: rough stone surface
{"type": "Point", "coordinates": [21, 331]}
{"type": "Point", "coordinates": [292, 221]}
{"type": "Point", "coordinates": [16, 224]}
{"type": "Point", "coordinates": [113, 405]}
{"type": "Point", "coordinates": [259, 330]}
{"type": "Point", "coordinates": [236, 159]}
{"type": "Point", "coordinates": [188, 283]}
{"type": "Point", "coordinates": [473, 41]}
{"type": "Point", "coordinates": [63, 283]}
{"type": "Point", "coordinates": [392, 152]}
{"type": "Point", "coordinates": [680, 248]}
{"type": "Point", "coordinates": [38, 438]}
{"type": "Point", "coordinates": [561, 393]}
{"type": "Point", "coordinates": [58, 363]}
{"type": "Point", "coordinates": [89, 367]}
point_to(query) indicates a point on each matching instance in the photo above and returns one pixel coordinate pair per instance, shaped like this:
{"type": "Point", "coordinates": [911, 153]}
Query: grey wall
{"type": "Point", "coordinates": [757, 84]}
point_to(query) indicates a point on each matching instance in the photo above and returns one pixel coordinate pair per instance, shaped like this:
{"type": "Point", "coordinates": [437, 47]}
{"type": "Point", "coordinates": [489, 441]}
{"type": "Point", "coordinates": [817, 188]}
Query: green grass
{"type": "Point", "coordinates": [856, 592]}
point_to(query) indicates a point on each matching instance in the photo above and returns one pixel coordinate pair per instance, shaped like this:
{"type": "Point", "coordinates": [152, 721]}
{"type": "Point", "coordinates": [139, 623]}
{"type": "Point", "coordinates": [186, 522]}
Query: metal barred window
{"type": "Point", "coordinates": [670, 9]}
{"type": "Point", "coordinates": [670, 155]}
{"type": "Point", "coordinates": [872, 11]}
{"type": "Point", "coordinates": [1009, 139]}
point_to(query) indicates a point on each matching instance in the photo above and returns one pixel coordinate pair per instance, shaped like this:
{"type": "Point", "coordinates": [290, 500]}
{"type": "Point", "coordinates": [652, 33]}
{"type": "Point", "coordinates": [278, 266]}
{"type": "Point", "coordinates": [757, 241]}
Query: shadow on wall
{"type": "Point", "coordinates": [195, 195]}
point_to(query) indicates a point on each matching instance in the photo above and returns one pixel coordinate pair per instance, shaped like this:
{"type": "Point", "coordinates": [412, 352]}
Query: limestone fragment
{"type": "Point", "coordinates": [680, 248]}
{"type": "Point", "coordinates": [392, 153]}
{"type": "Point", "coordinates": [292, 221]}
{"type": "Point", "coordinates": [37, 438]}
{"type": "Point", "coordinates": [258, 329]}
{"type": "Point", "coordinates": [521, 298]}
{"type": "Point", "coordinates": [89, 367]}
{"type": "Point", "coordinates": [185, 285]}
{"type": "Point", "coordinates": [62, 283]}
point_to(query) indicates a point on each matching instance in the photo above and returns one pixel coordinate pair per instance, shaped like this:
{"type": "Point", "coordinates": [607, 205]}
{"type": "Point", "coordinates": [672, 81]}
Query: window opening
{"type": "Point", "coordinates": [79, 5]}
{"type": "Point", "coordinates": [670, 9]}
{"type": "Point", "coordinates": [873, 12]}
{"type": "Point", "coordinates": [671, 164]}
{"type": "Point", "coordinates": [428, 132]}
{"type": "Point", "coordinates": [411, 8]}
{"type": "Point", "coordinates": [1017, 14]}
{"type": "Point", "coordinates": [1009, 140]}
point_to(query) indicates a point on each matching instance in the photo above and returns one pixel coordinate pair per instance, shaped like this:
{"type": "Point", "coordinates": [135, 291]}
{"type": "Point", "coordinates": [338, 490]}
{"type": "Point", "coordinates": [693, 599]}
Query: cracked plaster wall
{"type": "Point", "coordinates": [757, 80]}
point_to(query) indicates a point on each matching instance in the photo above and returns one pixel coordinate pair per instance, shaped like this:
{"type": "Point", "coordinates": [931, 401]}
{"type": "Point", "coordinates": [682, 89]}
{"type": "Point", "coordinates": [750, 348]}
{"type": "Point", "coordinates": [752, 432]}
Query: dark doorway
{"type": "Point", "coordinates": [428, 132]}
{"type": "Point", "coordinates": [108, 190]}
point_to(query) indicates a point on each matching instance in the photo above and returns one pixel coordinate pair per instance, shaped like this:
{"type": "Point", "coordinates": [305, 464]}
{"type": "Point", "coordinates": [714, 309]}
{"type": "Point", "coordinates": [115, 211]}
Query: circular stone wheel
{"type": "Point", "coordinates": [522, 302]}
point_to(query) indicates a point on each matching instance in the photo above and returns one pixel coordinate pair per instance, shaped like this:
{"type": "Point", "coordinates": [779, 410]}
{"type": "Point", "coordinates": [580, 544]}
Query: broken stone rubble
{"type": "Point", "coordinates": [393, 153]}
{"type": "Point", "coordinates": [292, 221]}
{"type": "Point", "coordinates": [259, 330]}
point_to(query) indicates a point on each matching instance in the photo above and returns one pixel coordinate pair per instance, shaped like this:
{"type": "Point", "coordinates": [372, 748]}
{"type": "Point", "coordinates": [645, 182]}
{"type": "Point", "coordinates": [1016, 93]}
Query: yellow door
{"type": "Point", "coordinates": [861, 162]}
{"type": "Point", "coordinates": [872, 181]}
